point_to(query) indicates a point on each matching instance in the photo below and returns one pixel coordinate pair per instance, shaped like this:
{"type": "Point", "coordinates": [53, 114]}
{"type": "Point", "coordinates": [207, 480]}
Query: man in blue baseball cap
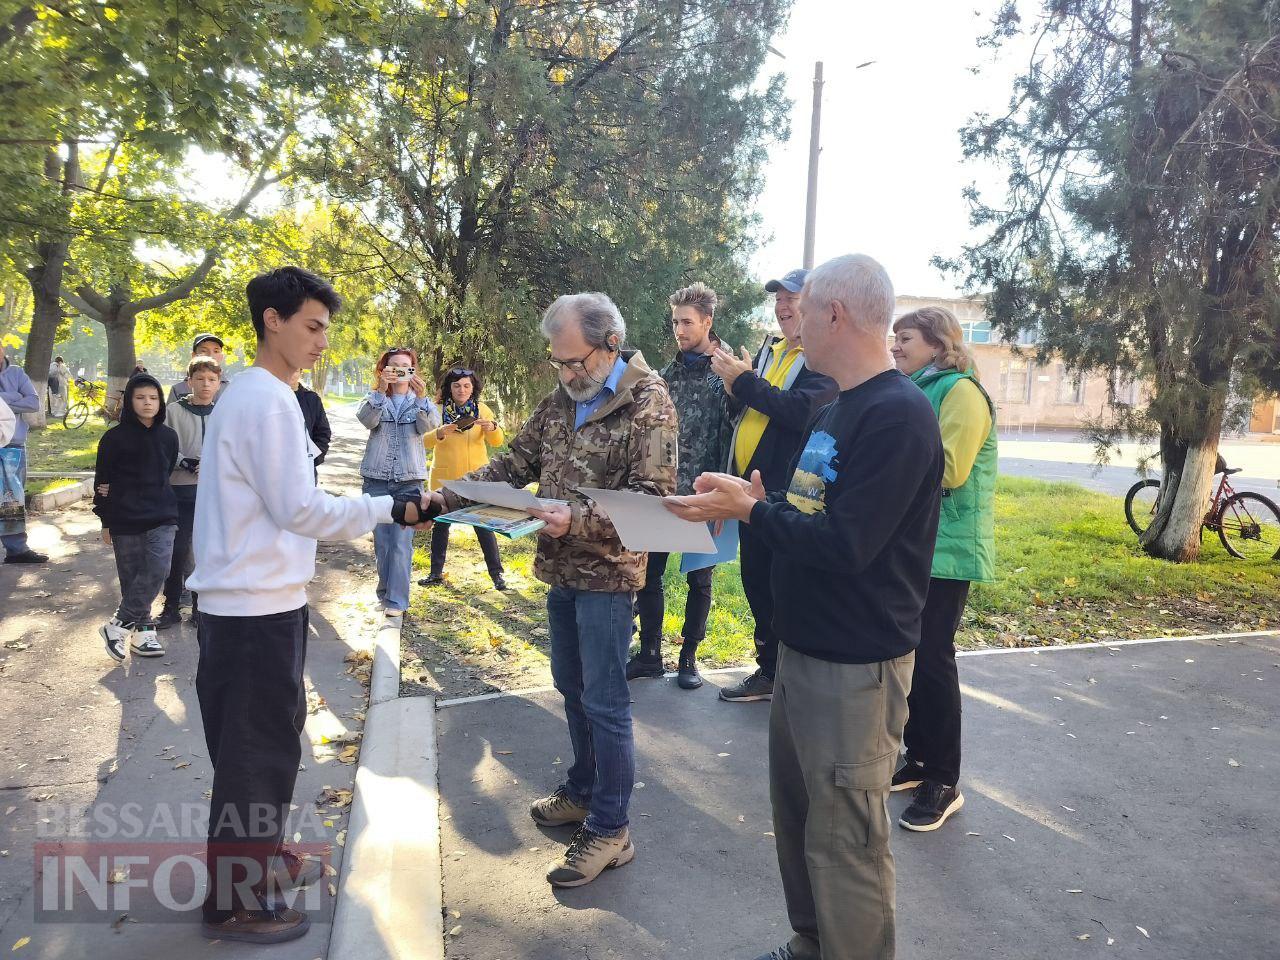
{"type": "Point", "coordinates": [773, 397]}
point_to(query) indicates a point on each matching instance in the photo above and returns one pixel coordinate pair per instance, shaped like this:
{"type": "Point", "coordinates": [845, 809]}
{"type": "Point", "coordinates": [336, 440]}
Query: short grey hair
{"type": "Point", "coordinates": [861, 284]}
{"type": "Point", "coordinates": [597, 316]}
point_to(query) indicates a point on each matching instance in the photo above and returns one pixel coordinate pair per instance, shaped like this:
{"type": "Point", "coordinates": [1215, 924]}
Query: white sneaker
{"type": "Point", "coordinates": [115, 635]}
{"type": "Point", "coordinates": [146, 643]}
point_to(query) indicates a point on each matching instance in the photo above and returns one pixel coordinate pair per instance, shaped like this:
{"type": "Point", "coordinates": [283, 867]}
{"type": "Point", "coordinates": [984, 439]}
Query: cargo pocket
{"type": "Point", "coordinates": [858, 819]}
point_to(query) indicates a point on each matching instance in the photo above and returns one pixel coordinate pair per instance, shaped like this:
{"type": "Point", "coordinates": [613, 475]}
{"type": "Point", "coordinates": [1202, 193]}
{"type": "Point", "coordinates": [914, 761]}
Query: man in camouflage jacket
{"type": "Point", "coordinates": [610, 424]}
{"type": "Point", "coordinates": [698, 395]}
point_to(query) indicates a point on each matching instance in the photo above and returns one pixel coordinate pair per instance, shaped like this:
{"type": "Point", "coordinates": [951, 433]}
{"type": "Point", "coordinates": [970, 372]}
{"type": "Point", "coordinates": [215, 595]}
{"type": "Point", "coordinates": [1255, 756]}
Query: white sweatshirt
{"type": "Point", "coordinates": [258, 512]}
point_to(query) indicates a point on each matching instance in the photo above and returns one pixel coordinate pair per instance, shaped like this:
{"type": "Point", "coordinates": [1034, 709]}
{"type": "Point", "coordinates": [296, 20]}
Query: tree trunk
{"type": "Point", "coordinates": [1185, 492]}
{"type": "Point", "coordinates": [121, 358]}
{"type": "Point", "coordinates": [320, 375]}
{"type": "Point", "coordinates": [45, 278]}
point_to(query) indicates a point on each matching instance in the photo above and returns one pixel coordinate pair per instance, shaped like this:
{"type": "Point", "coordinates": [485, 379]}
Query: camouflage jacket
{"type": "Point", "coordinates": [630, 443]}
{"type": "Point", "coordinates": [705, 427]}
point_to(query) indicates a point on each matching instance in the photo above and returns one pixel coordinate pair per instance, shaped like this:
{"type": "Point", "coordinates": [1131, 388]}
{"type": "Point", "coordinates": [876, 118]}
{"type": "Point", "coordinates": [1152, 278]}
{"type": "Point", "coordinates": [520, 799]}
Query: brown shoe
{"type": "Point", "coordinates": [259, 926]}
{"type": "Point", "coordinates": [557, 810]}
{"type": "Point", "coordinates": [588, 856]}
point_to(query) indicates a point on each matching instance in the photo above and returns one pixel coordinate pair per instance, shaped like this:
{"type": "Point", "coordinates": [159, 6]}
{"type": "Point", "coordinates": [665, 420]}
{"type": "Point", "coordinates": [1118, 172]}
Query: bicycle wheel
{"type": "Point", "coordinates": [1249, 527]}
{"type": "Point", "coordinates": [1140, 504]}
{"type": "Point", "coordinates": [76, 415]}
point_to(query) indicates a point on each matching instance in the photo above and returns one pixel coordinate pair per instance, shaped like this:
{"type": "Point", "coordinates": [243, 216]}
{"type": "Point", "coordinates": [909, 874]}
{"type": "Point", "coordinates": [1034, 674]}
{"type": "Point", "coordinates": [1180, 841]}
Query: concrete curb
{"type": "Point", "coordinates": [55, 500]}
{"type": "Point", "coordinates": [384, 678]}
{"type": "Point", "coordinates": [390, 902]}
{"type": "Point", "coordinates": [391, 899]}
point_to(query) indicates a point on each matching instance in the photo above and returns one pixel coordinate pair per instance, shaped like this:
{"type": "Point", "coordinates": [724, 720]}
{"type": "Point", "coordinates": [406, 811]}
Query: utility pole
{"type": "Point", "coordinates": [811, 205]}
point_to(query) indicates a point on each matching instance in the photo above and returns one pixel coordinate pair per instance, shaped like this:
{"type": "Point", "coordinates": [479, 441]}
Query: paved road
{"type": "Point", "coordinates": [1113, 480]}
{"type": "Point", "coordinates": [1107, 790]}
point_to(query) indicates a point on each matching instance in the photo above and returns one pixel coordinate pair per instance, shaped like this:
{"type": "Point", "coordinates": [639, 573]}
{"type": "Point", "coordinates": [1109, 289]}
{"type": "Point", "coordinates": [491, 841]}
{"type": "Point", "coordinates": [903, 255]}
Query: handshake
{"type": "Point", "coordinates": [417, 512]}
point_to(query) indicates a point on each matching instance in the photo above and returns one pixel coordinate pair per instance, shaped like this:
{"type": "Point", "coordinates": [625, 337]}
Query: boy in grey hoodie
{"type": "Point", "coordinates": [188, 417]}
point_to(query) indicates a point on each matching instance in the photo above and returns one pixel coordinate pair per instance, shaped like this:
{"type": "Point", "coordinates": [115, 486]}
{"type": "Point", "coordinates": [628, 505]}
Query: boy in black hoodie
{"type": "Point", "coordinates": [139, 512]}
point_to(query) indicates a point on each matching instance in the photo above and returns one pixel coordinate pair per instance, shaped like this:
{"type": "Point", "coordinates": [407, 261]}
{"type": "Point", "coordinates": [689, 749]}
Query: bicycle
{"type": "Point", "coordinates": [1247, 523]}
{"type": "Point", "coordinates": [78, 413]}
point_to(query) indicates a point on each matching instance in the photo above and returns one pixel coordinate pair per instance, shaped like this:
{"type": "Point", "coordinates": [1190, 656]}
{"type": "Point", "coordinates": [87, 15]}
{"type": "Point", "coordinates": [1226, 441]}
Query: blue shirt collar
{"type": "Point", "coordinates": [619, 368]}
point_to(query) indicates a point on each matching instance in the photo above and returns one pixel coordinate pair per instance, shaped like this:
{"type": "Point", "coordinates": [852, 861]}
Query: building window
{"type": "Point", "coordinates": [976, 331]}
{"type": "Point", "coordinates": [1125, 389]}
{"type": "Point", "coordinates": [1070, 388]}
{"type": "Point", "coordinates": [1015, 380]}
{"type": "Point", "coordinates": [1028, 336]}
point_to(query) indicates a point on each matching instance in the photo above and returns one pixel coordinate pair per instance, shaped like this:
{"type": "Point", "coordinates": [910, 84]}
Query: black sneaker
{"type": "Point", "coordinates": [26, 556]}
{"type": "Point", "coordinates": [435, 580]}
{"type": "Point", "coordinates": [908, 776]}
{"type": "Point", "coordinates": [499, 583]}
{"type": "Point", "coordinates": [641, 667]}
{"type": "Point", "coordinates": [755, 687]}
{"type": "Point", "coordinates": [688, 676]}
{"type": "Point", "coordinates": [169, 617]}
{"type": "Point", "coordinates": [932, 804]}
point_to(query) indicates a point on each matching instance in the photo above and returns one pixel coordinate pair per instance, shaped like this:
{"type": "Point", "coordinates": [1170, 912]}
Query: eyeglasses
{"type": "Point", "coordinates": [577, 366]}
{"type": "Point", "coordinates": [394, 350]}
{"type": "Point", "coordinates": [461, 372]}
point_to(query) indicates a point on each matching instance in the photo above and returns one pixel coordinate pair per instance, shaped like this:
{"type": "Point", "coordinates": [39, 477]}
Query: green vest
{"type": "Point", "coordinates": [966, 547]}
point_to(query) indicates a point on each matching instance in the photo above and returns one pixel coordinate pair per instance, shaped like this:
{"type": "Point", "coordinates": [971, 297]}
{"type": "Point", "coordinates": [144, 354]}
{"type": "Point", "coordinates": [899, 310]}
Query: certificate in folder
{"type": "Point", "coordinates": [504, 520]}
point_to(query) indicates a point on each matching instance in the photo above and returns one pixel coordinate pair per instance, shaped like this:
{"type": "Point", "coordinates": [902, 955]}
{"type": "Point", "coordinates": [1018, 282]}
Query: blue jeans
{"type": "Point", "coordinates": [393, 545]}
{"type": "Point", "coordinates": [16, 543]}
{"type": "Point", "coordinates": [590, 635]}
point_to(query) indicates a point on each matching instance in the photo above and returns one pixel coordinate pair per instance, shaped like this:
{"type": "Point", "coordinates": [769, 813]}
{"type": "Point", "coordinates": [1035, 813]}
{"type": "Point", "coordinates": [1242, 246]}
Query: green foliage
{"type": "Point", "coordinates": [510, 152]}
{"type": "Point", "coordinates": [1140, 227]}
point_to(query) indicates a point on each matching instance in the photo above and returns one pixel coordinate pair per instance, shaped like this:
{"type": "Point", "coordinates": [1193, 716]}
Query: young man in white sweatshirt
{"type": "Point", "coordinates": [258, 517]}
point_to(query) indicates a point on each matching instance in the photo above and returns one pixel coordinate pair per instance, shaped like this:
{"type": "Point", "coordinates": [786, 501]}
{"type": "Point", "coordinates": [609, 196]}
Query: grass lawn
{"type": "Point", "coordinates": [1069, 570]}
{"type": "Point", "coordinates": [57, 448]}
{"type": "Point", "coordinates": [48, 486]}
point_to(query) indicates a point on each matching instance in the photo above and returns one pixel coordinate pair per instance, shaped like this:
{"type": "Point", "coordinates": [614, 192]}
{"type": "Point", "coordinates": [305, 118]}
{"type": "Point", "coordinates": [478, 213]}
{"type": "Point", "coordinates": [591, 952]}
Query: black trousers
{"type": "Point", "coordinates": [651, 606]}
{"type": "Point", "coordinates": [440, 549]}
{"type": "Point", "coordinates": [253, 706]}
{"type": "Point", "coordinates": [932, 734]}
{"type": "Point", "coordinates": [183, 562]}
{"type": "Point", "coordinates": [756, 560]}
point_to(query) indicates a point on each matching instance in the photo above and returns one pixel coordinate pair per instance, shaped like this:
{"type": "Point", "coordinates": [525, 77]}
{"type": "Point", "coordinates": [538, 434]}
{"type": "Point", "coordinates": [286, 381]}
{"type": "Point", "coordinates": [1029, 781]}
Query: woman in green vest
{"type": "Point", "coordinates": [929, 348]}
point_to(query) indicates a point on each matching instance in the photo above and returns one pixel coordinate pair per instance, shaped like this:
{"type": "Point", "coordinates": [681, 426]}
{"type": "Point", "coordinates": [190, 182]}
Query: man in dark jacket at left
{"type": "Point", "coordinates": [697, 394]}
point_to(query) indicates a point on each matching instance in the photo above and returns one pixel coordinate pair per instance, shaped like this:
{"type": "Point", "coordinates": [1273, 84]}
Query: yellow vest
{"type": "Point", "coordinates": [751, 427]}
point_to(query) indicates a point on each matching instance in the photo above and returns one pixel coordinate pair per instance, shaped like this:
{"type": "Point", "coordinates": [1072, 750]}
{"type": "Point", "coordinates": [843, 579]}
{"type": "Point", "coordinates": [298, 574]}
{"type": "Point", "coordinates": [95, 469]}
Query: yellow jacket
{"type": "Point", "coordinates": [460, 453]}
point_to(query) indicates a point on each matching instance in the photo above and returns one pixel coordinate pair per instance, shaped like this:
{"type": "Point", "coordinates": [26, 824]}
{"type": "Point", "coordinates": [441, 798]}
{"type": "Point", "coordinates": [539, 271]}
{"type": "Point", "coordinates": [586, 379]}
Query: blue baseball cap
{"type": "Point", "coordinates": [793, 281]}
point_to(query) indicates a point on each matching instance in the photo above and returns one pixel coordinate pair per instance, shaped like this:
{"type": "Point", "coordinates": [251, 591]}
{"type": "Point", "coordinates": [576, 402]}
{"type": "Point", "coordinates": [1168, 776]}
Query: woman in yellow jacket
{"type": "Point", "coordinates": [461, 444]}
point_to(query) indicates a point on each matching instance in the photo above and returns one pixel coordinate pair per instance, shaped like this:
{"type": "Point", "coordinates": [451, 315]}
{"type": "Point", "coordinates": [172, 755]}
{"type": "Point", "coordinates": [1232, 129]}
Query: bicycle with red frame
{"type": "Point", "coordinates": [1247, 523]}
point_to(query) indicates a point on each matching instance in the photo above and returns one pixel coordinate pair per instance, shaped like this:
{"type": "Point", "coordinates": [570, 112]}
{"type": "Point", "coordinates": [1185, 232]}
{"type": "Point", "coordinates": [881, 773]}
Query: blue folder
{"type": "Point", "coordinates": [726, 550]}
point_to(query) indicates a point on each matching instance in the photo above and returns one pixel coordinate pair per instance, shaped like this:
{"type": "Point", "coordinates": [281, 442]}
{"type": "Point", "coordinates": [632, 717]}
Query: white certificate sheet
{"type": "Point", "coordinates": [499, 494]}
{"type": "Point", "coordinates": [643, 523]}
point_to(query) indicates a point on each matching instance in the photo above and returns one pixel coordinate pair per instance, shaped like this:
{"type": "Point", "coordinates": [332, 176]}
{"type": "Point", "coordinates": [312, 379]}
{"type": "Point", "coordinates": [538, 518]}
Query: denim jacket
{"type": "Point", "coordinates": [395, 450]}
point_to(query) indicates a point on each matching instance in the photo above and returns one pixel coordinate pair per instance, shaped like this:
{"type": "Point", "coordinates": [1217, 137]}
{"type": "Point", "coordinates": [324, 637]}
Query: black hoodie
{"type": "Point", "coordinates": [135, 462]}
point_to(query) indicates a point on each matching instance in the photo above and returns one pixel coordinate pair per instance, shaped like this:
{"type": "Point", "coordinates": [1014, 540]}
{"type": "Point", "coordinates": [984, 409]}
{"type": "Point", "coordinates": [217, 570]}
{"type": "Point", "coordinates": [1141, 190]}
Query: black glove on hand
{"type": "Point", "coordinates": [407, 511]}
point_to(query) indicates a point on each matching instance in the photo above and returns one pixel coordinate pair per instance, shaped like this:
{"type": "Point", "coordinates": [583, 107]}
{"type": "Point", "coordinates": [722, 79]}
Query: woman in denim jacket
{"type": "Point", "coordinates": [397, 413]}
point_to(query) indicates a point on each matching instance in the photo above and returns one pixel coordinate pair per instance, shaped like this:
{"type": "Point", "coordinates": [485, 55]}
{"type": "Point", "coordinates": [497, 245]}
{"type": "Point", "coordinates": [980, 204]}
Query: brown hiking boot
{"type": "Point", "coordinates": [259, 926]}
{"type": "Point", "coordinates": [588, 856]}
{"type": "Point", "coordinates": [557, 810]}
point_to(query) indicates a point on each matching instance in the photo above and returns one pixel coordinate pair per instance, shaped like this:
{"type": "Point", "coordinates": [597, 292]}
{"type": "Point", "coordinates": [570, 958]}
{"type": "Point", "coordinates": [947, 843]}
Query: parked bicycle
{"type": "Point", "coordinates": [1247, 523]}
{"type": "Point", "coordinates": [89, 401]}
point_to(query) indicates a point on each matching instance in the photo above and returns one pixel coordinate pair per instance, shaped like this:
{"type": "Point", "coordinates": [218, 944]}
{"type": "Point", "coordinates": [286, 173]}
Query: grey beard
{"type": "Point", "coordinates": [581, 392]}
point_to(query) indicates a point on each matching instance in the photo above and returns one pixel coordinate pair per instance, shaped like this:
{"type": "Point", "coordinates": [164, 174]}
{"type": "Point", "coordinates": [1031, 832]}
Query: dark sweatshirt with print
{"type": "Point", "coordinates": [853, 532]}
{"type": "Point", "coordinates": [134, 462]}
